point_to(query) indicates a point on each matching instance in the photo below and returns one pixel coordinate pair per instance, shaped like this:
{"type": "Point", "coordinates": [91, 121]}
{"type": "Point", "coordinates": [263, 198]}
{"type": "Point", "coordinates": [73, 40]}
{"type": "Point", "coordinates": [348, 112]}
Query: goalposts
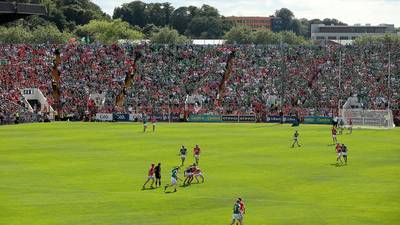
{"type": "Point", "coordinates": [365, 118]}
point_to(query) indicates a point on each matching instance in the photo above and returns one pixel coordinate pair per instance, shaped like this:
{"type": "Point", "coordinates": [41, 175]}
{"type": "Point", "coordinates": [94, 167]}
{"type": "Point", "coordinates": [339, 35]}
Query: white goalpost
{"type": "Point", "coordinates": [365, 118]}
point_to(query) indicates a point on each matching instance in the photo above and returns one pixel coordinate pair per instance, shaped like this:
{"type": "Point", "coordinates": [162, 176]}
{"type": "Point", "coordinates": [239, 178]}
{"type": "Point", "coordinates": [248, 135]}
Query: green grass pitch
{"type": "Point", "coordinates": [92, 174]}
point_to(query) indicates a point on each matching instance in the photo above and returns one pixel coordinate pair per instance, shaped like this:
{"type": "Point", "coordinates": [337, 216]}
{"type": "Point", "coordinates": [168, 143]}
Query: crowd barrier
{"type": "Point", "coordinates": [280, 119]}
{"type": "Point", "coordinates": [121, 117]}
{"type": "Point", "coordinates": [124, 117]}
{"type": "Point", "coordinates": [205, 118]}
{"type": "Point", "coordinates": [317, 120]}
{"type": "Point", "coordinates": [241, 118]}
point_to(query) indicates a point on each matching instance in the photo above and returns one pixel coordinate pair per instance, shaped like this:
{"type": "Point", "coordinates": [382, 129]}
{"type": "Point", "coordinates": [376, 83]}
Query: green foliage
{"type": "Point", "coordinates": [304, 28]}
{"type": "Point", "coordinates": [206, 27]}
{"type": "Point", "coordinates": [14, 35]}
{"type": "Point", "coordinates": [39, 35]}
{"type": "Point", "coordinates": [180, 19]}
{"type": "Point", "coordinates": [242, 35]}
{"type": "Point", "coordinates": [328, 21]}
{"type": "Point", "coordinates": [158, 14]}
{"type": "Point", "coordinates": [238, 35]}
{"type": "Point", "coordinates": [134, 13]}
{"type": "Point", "coordinates": [289, 37]}
{"type": "Point", "coordinates": [49, 34]}
{"type": "Point", "coordinates": [287, 17]}
{"type": "Point", "coordinates": [301, 26]}
{"type": "Point", "coordinates": [265, 37]}
{"type": "Point", "coordinates": [167, 35]}
{"type": "Point", "coordinates": [204, 22]}
{"type": "Point", "coordinates": [81, 11]}
{"type": "Point", "coordinates": [149, 29]}
{"type": "Point", "coordinates": [109, 32]}
{"type": "Point", "coordinates": [383, 39]}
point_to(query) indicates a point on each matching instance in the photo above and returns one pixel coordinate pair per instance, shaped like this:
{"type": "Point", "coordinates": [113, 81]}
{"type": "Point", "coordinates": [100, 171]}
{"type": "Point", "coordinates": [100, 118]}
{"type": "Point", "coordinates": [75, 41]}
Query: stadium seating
{"type": "Point", "coordinates": [166, 75]}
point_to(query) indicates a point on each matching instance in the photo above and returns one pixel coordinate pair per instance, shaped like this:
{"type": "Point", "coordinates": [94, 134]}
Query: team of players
{"type": "Point", "coordinates": [193, 171]}
{"type": "Point", "coordinates": [153, 121]}
{"type": "Point", "coordinates": [190, 173]}
{"type": "Point", "coordinates": [341, 149]}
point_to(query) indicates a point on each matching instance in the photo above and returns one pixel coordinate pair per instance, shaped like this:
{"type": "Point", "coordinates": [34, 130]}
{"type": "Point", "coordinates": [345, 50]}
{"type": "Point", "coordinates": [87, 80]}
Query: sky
{"type": "Point", "coordinates": [373, 12]}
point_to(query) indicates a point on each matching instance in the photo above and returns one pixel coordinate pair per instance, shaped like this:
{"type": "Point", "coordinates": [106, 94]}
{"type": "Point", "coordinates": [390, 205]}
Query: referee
{"type": "Point", "coordinates": [157, 173]}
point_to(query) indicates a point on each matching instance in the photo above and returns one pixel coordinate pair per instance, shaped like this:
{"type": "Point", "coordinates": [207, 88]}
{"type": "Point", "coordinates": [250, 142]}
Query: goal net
{"type": "Point", "coordinates": [365, 118]}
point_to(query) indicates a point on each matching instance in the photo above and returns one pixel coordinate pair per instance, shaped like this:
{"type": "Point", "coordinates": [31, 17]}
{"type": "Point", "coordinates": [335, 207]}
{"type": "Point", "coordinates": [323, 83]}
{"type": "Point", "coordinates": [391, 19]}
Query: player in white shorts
{"type": "Point", "coordinates": [183, 154]}
{"type": "Point", "coordinates": [150, 177]}
{"type": "Point", "coordinates": [174, 179]}
{"type": "Point", "coordinates": [197, 173]}
{"type": "Point", "coordinates": [237, 216]}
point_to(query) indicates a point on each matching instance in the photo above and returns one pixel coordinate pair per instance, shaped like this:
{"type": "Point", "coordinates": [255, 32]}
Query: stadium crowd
{"type": "Point", "coordinates": [307, 76]}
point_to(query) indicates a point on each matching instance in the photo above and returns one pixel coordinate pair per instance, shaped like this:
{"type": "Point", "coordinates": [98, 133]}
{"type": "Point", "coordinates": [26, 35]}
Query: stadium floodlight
{"type": "Point", "coordinates": [365, 118]}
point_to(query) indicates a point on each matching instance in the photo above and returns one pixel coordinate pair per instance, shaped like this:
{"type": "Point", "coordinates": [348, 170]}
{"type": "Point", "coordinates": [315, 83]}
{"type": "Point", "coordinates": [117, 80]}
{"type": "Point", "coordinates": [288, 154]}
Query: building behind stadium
{"type": "Point", "coordinates": [257, 22]}
{"type": "Point", "coordinates": [321, 32]}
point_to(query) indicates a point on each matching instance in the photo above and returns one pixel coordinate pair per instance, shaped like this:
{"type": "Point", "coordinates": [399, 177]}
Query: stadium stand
{"type": "Point", "coordinates": [166, 76]}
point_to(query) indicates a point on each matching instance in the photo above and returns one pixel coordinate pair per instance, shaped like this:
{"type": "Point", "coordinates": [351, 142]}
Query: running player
{"type": "Point", "coordinates": [334, 135]}
{"type": "Point", "coordinates": [188, 173]}
{"type": "Point", "coordinates": [344, 153]}
{"type": "Point", "coordinates": [183, 154]}
{"type": "Point", "coordinates": [197, 173]}
{"type": "Point", "coordinates": [236, 217]}
{"type": "Point", "coordinates": [157, 172]}
{"type": "Point", "coordinates": [296, 139]}
{"type": "Point", "coordinates": [154, 122]}
{"type": "Point", "coordinates": [335, 121]}
{"type": "Point", "coordinates": [150, 177]}
{"type": "Point", "coordinates": [144, 123]}
{"type": "Point", "coordinates": [339, 153]}
{"type": "Point", "coordinates": [174, 179]}
{"type": "Point", "coordinates": [196, 152]}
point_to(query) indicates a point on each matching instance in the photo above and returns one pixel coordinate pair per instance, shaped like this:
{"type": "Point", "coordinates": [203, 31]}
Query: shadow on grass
{"type": "Point", "coordinates": [338, 164]}
{"type": "Point", "coordinates": [149, 188]}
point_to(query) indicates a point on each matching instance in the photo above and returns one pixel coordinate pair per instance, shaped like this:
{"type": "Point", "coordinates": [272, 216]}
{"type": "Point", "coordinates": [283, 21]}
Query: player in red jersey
{"type": "Point", "coordinates": [242, 209]}
{"type": "Point", "coordinates": [197, 173]}
{"type": "Point", "coordinates": [154, 122]}
{"type": "Point", "coordinates": [339, 153]}
{"type": "Point", "coordinates": [189, 173]}
{"type": "Point", "coordinates": [150, 177]}
{"type": "Point", "coordinates": [350, 126]}
{"type": "Point", "coordinates": [196, 152]}
{"type": "Point", "coordinates": [334, 132]}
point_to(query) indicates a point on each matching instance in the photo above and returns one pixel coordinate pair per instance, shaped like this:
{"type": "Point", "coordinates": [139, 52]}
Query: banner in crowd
{"type": "Point", "coordinates": [166, 118]}
{"type": "Point", "coordinates": [205, 118]}
{"type": "Point", "coordinates": [243, 118]}
{"type": "Point", "coordinates": [104, 117]}
{"type": "Point", "coordinates": [317, 120]}
{"type": "Point", "coordinates": [135, 117]}
{"type": "Point", "coordinates": [121, 117]}
{"type": "Point", "coordinates": [279, 119]}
